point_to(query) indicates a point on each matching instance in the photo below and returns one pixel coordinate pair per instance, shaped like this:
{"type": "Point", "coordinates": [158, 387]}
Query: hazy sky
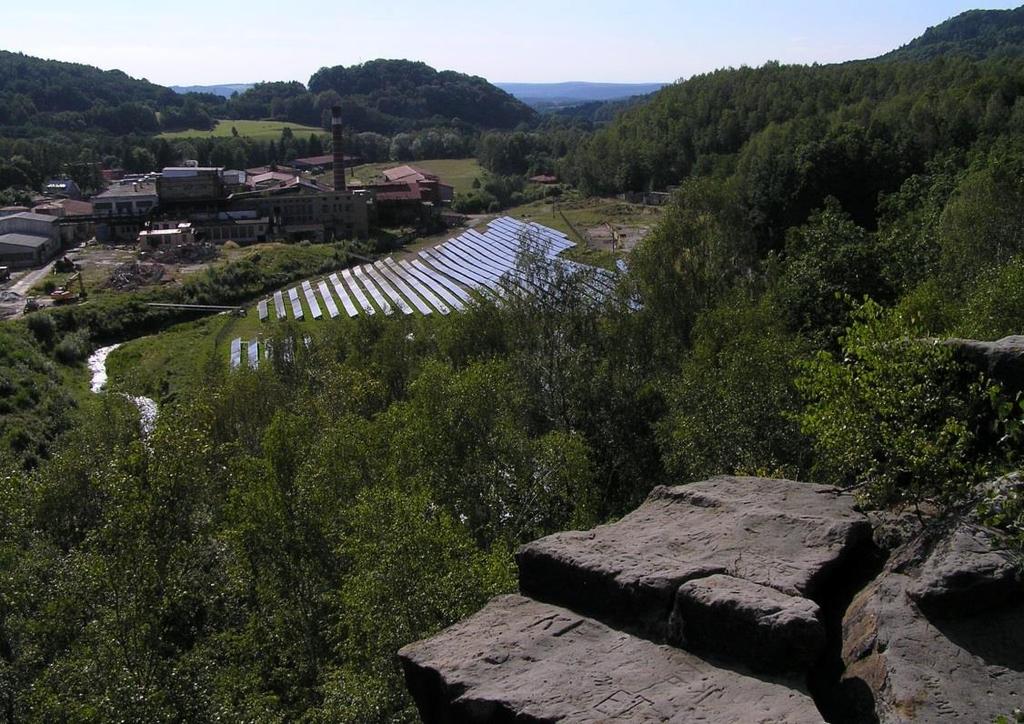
{"type": "Point", "coordinates": [188, 42]}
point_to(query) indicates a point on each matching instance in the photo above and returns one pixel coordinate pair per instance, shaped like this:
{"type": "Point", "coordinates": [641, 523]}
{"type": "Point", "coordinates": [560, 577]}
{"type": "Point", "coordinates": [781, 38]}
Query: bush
{"type": "Point", "coordinates": [1003, 509]}
{"type": "Point", "coordinates": [42, 327]}
{"type": "Point", "coordinates": [74, 347]}
{"type": "Point", "coordinates": [894, 413]}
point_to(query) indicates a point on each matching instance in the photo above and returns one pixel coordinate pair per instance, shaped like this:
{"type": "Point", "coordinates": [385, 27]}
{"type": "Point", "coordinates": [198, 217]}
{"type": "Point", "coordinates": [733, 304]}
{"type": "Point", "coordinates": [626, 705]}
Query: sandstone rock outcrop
{"type": "Point", "coordinates": [524, 661]}
{"type": "Point", "coordinates": [1002, 360]}
{"type": "Point", "coordinates": [730, 600]}
{"type": "Point", "coordinates": [783, 535]}
{"type": "Point", "coordinates": [959, 656]}
{"type": "Point", "coordinates": [747, 622]}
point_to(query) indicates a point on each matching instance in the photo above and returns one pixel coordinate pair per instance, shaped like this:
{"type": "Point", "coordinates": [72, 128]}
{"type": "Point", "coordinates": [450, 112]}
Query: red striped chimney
{"type": "Point", "coordinates": [339, 146]}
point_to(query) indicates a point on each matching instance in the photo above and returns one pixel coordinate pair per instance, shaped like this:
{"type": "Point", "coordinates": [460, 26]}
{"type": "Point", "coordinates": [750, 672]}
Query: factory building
{"type": "Point", "coordinates": [121, 210]}
{"type": "Point", "coordinates": [28, 240]}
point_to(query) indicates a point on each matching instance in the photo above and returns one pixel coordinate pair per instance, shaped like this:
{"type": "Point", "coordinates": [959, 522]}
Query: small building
{"type": "Point", "coordinates": [431, 187]}
{"type": "Point", "coordinates": [10, 210]}
{"type": "Point", "coordinates": [544, 179]}
{"type": "Point", "coordinates": [235, 180]}
{"type": "Point", "coordinates": [71, 229]}
{"type": "Point", "coordinates": [397, 204]}
{"type": "Point", "coordinates": [152, 239]}
{"type": "Point", "coordinates": [62, 188]}
{"type": "Point", "coordinates": [30, 223]}
{"type": "Point", "coordinates": [273, 167]}
{"type": "Point", "coordinates": [126, 208]}
{"type": "Point", "coordinates": [270, 179]}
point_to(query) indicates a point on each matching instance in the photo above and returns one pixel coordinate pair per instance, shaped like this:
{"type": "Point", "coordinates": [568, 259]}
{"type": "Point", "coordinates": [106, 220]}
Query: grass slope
{"type": "Point", "coordinates": [459, 172]}
{"type": "Point", "coordinates": [256, 130]}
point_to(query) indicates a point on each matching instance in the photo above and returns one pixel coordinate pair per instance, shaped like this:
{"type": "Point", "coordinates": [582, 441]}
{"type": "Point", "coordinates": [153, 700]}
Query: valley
{"type": "Point", "coordinates": [393, 394]}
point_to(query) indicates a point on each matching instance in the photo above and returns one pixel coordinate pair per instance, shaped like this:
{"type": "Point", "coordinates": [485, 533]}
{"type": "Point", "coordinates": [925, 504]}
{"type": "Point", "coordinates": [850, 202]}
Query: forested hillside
{"type": "Point", "coordinates": [789, 136]}
{"type": "Point", "coordinates": [975, 33]}
{"type": "Point", "coordinates": [383, 95]}
{"type": "Point", "coordinates": [72, 97]}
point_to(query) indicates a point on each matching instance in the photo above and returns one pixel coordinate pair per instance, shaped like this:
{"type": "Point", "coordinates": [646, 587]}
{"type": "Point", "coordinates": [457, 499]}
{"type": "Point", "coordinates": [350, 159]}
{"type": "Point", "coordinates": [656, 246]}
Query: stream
{"type": "Point", "coordinates": [98, 367]}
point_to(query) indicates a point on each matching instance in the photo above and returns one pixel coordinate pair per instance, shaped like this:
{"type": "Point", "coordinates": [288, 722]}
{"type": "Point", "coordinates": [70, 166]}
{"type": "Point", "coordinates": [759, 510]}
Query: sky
{"type": "Point", "coordinates": [224, 41]}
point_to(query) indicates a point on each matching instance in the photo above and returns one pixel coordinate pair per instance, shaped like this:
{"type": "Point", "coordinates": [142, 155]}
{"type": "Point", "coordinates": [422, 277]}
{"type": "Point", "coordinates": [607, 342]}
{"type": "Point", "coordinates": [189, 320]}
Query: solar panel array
{"type": "Point", "coordinates": [440, 280]}
{"type": "Point", "coordinates": [247, 353]}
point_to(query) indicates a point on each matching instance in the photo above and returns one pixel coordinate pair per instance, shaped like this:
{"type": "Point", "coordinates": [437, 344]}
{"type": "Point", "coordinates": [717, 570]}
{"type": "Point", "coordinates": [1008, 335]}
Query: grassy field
{"type": "Point", "coordinates": [582, 214]}
{"type": "Point", "coordinates": [459, 172]}
{"type": "Point", "coordinates": [256, 130]}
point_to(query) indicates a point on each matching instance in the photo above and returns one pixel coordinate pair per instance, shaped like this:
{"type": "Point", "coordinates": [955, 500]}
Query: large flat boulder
{"type": "Point", "coordinates": [787, 536]}
{"type": "Point", "coordinates": [524, 661]}
{"type": "Point", "coordinates": [967, 572]}
{"type": "Point", "coordinates": [952, 659]}
{"type": "Point", "coordinates": [744, 621]}
{"type": "Point", "coordinates": [1002, 360]}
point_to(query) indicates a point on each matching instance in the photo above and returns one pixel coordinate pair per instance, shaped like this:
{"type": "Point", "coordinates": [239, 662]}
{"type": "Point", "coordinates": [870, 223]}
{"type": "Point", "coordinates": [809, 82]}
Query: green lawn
{"type": "Point", "coordinates": [256, 130]}
{"type": "Point", "coordinates": [459, 172]}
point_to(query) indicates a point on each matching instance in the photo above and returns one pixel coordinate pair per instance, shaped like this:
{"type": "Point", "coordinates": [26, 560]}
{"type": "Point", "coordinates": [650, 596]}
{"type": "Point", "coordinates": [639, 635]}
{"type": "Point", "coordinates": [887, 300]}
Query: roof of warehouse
{"type": "Point", "coordinates": [27, 240]}
{"type": "Point", "coordinates": [31, 217]}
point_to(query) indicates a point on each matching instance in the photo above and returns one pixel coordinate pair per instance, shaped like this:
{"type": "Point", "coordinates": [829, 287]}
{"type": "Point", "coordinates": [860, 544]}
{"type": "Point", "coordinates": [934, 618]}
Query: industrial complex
{"type": "Point", "coordinates": [191, 203]}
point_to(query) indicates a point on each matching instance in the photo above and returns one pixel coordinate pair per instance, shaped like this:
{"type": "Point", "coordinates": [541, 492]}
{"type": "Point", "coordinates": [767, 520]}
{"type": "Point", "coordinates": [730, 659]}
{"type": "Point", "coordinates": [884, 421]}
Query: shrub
{"type": "Point", "coordinates": [42, 327]}
{"type": "Point", "coordinates": [893, 413]}
{"type": "Point", "coordinates": [74, 347]}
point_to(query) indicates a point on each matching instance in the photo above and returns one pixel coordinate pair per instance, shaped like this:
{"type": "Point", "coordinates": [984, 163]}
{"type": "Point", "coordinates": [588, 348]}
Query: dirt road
{"type": "Point", "coordinates": [31, 279]}
{"type": "Point", "coordinates": [13, 307]}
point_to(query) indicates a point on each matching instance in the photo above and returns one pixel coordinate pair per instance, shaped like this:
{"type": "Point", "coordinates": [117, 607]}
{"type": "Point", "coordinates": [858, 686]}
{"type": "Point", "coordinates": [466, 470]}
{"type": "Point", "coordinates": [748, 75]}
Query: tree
{"type": "Point", "coordinates": [892, 411]}
{"type": "Point", "coordinates": [829, 261]}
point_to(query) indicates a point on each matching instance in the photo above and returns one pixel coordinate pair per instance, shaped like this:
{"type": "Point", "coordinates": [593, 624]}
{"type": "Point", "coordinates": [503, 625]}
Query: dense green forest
{"type": "Point", "coordinates": [383, 95]}
{"type": "Point", "coordinates": [264, 554]}
{"type": "Point", "coordinates": [975, 33]}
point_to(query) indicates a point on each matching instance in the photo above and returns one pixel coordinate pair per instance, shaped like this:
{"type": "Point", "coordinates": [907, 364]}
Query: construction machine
{"type": "Point", "coordinates": [65, 295]}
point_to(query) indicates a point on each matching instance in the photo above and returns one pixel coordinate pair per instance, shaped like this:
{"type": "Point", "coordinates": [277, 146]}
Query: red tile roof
{"type": "Point", "coordinates": [65, 207]}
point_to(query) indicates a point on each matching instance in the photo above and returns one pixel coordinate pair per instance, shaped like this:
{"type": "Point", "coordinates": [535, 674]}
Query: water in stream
{"type": "Point", "coordinates": [98, 367]}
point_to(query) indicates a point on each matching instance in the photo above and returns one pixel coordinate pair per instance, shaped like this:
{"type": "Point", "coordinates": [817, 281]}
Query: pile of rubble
{"type": "Point", "coordinates": [133, 275]}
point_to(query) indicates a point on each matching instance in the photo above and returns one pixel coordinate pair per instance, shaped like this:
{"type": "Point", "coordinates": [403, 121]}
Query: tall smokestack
{"type": "Point", "coordinates": [339, 150]}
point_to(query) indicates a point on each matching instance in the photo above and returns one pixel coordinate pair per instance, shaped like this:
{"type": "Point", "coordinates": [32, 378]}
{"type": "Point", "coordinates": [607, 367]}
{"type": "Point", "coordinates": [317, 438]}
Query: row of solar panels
{"type": "Point", "coordinates": [248, 352]}
{"type": "Point", "coordinates": [440, 280]}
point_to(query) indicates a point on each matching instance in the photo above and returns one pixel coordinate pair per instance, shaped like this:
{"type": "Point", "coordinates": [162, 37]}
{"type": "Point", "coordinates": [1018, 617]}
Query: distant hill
{"type": "Point", "coordinates": [225, 90]}
{"type": "Point", "coordinates": [573, 93]}
{"type": "Point", "coordinates": [394, 95]}
{"type": "Point", "coordinates": [596, 112]}
{"type": "Point", "coordinates": [56, 86]}
{"type": "Point", "coordinates": [52, 93]}
{"type": "Point", "coordinates": [975, 33]}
